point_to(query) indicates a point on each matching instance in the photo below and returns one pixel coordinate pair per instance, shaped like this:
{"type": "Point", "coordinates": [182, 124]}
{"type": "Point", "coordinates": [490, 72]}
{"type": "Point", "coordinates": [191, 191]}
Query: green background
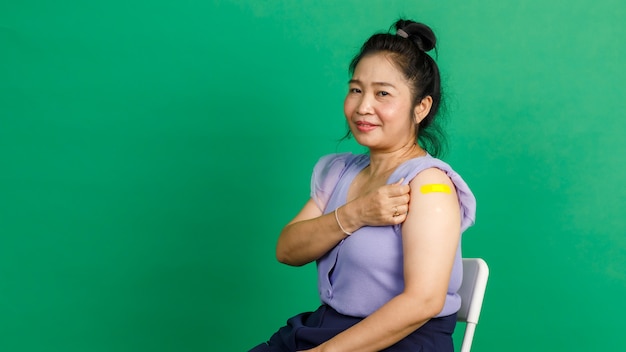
{"type": "Point", "coordinates": [151, 151]}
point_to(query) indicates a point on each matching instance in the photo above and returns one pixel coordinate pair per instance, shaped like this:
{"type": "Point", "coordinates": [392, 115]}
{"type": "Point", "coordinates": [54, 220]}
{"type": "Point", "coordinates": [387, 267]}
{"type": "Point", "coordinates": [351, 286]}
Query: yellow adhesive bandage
{"type": "Point", "coordinates": [435, 187]}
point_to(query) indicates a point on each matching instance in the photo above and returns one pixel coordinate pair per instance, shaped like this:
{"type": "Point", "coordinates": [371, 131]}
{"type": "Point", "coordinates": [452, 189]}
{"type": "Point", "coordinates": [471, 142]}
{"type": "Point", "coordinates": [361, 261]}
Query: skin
{"type": "Point", "coordinates": [381, 117]}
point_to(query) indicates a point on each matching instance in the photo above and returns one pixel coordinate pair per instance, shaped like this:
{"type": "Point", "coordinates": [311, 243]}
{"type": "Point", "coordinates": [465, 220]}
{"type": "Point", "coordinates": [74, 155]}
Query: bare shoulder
{"type": "Point", "coordinates": [432, 176]}
{"type": "Point", "coordinates": [434, 200]}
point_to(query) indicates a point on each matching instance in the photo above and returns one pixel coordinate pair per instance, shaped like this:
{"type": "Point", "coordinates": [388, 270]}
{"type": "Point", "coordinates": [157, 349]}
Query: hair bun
{"type": "Point", "coordinates": [419, 33]}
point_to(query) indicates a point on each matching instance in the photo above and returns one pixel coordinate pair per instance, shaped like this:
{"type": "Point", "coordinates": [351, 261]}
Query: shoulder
{"type": "Point", "coordinates": [433, 181]}
{"type": "Point", "coordinates": [334, 164]}
{"type": "Point", "coordinates": [432, 175]}
{"type": "Point", "coordinates": [429, 172]}
{"type": "Point", "coordinates": [413, 168]}
{"type": "Point", "coordinates": [326, 175]}
{"type": "Point", "coordinates": [335, 160]}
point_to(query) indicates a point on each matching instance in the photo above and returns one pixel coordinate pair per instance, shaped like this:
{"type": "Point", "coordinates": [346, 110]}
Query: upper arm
{"type": "Point", "coordinates": [430, 235]}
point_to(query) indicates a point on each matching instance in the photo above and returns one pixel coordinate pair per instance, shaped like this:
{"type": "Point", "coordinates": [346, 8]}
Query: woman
{"type": "Point", "coordinates": [384, 227]}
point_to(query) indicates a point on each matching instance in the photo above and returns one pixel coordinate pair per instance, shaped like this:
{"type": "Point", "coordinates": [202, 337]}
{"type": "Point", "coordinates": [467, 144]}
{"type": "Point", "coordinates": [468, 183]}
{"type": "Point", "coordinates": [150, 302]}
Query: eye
{"type": "Point", "coordinates": [355, 90]}
{"type": "Point", "coordinates": [382, 93]}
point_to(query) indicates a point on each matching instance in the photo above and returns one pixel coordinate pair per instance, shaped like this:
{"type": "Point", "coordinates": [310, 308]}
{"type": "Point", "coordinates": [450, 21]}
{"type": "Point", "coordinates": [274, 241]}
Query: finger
{"type": "Point", "coordinates": [399, 191]}
{"type": "Point", "coordinates": [399, 182]}
{"type": "Point", "coordinates": [404, 209]}
{"type": "Point", "coordinates": [401, 209]}
{"type": "Point", "coordinates": [394, 212]}
{"type": "Point", "coordinates": [395, 189]}
{"type": "Point", "coordinates": [398, 210]}
{"type": "Point", "coordinates": [398, 219]}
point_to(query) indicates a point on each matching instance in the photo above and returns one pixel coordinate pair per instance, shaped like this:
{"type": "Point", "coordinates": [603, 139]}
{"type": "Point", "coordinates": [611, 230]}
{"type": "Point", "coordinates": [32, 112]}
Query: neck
{"type": "Point", "coordinates": [385, 162]}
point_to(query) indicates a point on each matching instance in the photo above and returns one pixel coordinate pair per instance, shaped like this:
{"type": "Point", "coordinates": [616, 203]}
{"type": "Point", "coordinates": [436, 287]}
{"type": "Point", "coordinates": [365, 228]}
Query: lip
{"type": "Point", "coordinates": [364, 126]}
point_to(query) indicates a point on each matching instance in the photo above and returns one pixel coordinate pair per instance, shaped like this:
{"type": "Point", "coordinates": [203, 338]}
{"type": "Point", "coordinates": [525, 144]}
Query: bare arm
{"type": "Point", "coordinates": [310, 234]}
{"type": "Point", "coordinates": [430, 238]}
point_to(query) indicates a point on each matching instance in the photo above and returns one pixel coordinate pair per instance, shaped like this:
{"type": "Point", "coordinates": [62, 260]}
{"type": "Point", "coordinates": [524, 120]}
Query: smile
{"type": "Point", "coordinates": [365, 126]}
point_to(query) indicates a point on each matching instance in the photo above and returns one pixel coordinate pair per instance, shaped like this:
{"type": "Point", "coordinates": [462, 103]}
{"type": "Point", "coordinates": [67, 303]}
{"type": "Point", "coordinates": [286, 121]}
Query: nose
{"type": "Point", "coordinates": [365, 106]}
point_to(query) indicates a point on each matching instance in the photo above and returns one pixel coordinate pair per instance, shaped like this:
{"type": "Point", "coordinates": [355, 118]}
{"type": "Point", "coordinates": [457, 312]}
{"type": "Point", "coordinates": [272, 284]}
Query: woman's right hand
{"type": "Point", "coordinates": [386, 205]}
{"type": "Point", "coordinates": [310, 234]}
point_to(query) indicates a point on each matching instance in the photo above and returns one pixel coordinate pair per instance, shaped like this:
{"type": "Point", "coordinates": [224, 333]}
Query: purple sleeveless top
{"type": "Point", "coordinates": [364, 271]}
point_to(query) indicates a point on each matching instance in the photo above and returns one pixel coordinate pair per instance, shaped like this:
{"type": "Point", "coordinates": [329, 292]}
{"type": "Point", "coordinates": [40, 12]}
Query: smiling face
{"type": "Point", "coordinates": [378, 106]}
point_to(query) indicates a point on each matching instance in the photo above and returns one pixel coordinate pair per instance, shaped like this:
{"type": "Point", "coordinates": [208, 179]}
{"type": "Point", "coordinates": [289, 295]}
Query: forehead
{"type": "Point", "coordinates": [379, 67]}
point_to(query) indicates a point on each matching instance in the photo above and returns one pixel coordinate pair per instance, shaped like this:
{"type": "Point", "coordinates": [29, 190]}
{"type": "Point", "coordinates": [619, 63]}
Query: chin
{"type": "Point", "coordinates": [365, 142]}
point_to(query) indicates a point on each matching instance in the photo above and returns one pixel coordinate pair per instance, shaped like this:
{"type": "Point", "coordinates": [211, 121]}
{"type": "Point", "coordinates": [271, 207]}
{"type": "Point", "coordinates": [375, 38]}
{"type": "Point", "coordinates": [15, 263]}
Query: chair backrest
{"type": "Point", "coordinates": [472, 292]}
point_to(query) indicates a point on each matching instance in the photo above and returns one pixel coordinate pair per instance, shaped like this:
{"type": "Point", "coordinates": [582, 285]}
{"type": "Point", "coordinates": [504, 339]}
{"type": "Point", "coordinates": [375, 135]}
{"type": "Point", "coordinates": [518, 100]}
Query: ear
{"type": "Point", "coordinates": [422, 109]}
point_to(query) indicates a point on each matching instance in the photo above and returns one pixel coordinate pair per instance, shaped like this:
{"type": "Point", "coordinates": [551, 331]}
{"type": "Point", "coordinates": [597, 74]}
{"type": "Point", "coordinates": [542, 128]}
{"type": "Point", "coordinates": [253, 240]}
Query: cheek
{"type": "Point", "coordinates": [389, 112]}
{"type": "Point", "coordinates": [348, 107]}
{"type": "Point", "coordinates": [396, 116]}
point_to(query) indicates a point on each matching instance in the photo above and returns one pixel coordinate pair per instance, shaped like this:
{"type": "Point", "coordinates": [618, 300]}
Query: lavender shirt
{"type": "Point", "coordinates": [365, 270]}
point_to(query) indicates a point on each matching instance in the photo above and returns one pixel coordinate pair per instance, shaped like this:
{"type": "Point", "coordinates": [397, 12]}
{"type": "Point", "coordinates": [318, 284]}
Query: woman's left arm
{"type": "Point", "coordinates": [430, 237]}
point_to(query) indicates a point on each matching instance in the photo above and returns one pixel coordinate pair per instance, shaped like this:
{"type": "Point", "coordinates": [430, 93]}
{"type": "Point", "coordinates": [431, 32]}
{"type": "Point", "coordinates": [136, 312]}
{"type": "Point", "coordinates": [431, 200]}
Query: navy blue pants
{"type": "Point", "coordinates": [308, 330]}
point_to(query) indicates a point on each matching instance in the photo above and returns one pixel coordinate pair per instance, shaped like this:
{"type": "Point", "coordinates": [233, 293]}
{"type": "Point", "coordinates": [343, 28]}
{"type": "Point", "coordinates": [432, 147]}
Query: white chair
{"type": "Point", "coordinates": [472, 292]}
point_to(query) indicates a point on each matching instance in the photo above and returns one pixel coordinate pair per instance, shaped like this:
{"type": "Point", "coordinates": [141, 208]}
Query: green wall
{"type": "Point", "coordinates": [151, 151]}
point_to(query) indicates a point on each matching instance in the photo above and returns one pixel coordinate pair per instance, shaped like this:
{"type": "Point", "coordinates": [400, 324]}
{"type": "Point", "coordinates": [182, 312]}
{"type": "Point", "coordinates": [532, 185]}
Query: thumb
{"type": "Point", "coordinates": [400, 181]}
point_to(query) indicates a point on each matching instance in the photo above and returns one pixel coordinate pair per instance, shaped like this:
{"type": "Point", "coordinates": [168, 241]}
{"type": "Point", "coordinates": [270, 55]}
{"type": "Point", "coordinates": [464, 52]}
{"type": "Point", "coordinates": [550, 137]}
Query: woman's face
{"type": "Point", "coordinates": [378, 106]}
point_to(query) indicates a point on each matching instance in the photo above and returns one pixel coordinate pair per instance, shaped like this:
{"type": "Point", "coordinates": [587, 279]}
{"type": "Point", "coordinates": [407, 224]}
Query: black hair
{"type": "Point", "coordinates": [408, 51]}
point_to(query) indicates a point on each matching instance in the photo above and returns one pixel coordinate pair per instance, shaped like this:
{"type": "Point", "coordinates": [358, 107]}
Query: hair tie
{"type": "Point", "coordinates": [402, 33]}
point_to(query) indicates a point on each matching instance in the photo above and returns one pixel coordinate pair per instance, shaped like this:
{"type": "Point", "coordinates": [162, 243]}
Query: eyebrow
{"type": "Point", "coordinates": [384, 84]}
